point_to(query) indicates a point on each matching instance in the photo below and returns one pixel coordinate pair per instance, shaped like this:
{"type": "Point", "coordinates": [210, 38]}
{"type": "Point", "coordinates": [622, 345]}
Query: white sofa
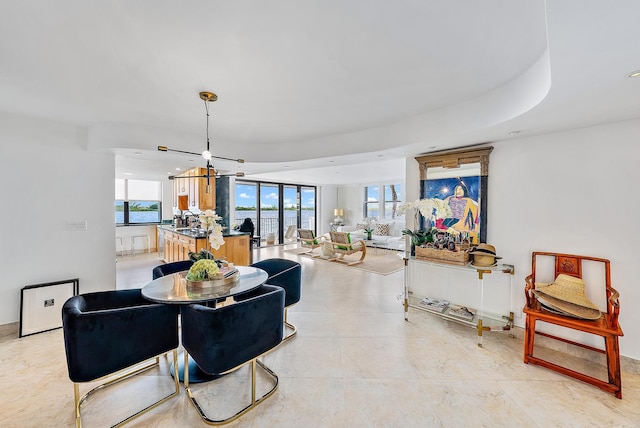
{"type": "Point", "coordinates": [395, 237]}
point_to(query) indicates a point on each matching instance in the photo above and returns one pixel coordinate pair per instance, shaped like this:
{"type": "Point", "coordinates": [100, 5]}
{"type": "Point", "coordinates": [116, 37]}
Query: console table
{"type": "Point", "coordinates": [463, 287]}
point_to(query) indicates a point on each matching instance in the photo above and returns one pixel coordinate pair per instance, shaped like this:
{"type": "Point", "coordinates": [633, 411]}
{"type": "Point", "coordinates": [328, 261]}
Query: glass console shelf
{"type": "Point", "coordinates": [491, 304]}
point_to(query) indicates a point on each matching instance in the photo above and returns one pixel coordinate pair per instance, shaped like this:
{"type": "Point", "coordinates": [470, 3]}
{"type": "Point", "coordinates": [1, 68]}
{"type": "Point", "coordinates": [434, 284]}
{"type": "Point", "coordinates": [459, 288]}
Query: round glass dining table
{"type": "Point", "coordinates": [173, 289]}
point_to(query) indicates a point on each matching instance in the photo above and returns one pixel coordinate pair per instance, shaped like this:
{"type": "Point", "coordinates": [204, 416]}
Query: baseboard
{"type": "Point", "coordinates": [10, 330]}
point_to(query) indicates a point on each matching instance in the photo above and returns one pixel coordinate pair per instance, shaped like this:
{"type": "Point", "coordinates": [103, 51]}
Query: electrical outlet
{"type": "Point", "coordinates": [75, 226]}
{"type": "Point", "coordinates": [49, 302]}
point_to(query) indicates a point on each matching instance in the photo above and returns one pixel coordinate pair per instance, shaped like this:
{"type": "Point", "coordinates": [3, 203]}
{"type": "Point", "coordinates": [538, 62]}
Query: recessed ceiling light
{"type": "Point", "coordinates": [138, 153]}
{"type": "Point", "coordinates": [431, 147]}
{"type": "Point", "coordinates": [514, 133]}
{"type": "Point", "coordinates": [634, 74]}
{"type": "Point", "coordinates": [178, 169]}
{"type": "Point", "coordinates": [127, 173]}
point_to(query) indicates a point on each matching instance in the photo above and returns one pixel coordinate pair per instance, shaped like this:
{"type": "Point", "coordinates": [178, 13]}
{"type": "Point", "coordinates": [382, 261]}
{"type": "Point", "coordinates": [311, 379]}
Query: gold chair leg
{"type": "Point", "coordinates": [254, 401]}
{"type": "Point", "coordinates": [287, 324]}
{"type": "Point", "coordinates": [120, 376]}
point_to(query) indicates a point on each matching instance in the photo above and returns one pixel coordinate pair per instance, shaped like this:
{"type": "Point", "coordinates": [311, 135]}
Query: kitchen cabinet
{"type": "Point", "coordinates": [178, 244]}
{"type": "Point", "coordinates": [195, 188]}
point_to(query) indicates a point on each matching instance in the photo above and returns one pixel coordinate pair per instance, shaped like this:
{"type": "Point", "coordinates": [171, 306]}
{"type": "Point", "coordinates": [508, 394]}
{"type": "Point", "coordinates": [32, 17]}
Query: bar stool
{"type": "Point", "coordinates": [133, 242]}
{"type": "Point", "coordinates": [119, 238]}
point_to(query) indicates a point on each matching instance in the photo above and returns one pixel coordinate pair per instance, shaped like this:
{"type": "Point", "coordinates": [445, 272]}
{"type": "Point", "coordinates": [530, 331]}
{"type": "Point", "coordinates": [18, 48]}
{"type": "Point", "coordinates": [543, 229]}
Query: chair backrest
{"type": "Point", "coordinates": [169, 268]}
{"type": "Point", "coordinates": [108, 331]}
{"type": "Point", "coordinates": [571, 264]}
{"type": "Point", "coordinates": [291, 230]}
{"type": "Point", "coordinates": [283, 273]}
{"type": "Point", "coordinates": [220, 339]}
{"type": "Point", "coordinates": [247, 226]}
{"type": "Point", "coordinates": [340, 237]}
{"type": "Point", "coordinates": [306, 236]}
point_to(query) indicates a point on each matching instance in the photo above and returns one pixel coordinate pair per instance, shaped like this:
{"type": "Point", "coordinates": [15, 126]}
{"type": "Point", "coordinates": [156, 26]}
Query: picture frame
{"type": "Point", "coordinates": [41, 305]}
{"type": "Point", "coordinates": [453, 168]}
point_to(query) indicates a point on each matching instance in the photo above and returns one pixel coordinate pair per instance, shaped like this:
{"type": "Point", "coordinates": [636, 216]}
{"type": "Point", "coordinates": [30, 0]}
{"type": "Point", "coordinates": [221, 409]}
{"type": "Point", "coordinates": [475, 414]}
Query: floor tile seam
{"type": "Point", "coordinates": [568, 382]}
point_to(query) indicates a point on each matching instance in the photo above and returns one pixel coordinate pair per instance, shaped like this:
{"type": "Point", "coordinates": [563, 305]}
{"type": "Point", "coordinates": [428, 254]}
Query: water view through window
{"type": "Point", "coordinates": [137, 201]}
{"type": "Point", "coordinates": [278, 203]}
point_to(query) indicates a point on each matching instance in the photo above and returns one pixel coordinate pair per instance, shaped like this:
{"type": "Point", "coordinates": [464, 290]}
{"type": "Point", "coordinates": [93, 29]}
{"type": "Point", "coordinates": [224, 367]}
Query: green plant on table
{"type": "Point", "coordinates": [419, 237]}
{"type": "Point", "coordinates": [202, 270]}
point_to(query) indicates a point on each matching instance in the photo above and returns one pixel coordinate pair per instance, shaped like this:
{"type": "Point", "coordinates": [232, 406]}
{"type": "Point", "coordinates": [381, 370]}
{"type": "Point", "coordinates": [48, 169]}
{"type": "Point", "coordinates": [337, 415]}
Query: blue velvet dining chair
{"type": "Point", "coordinates": [288, 275]}
{"type": "Point", "coordinates": [108, 334]}
{"type": "Point", "coordinates": [169, 268]}
{"type": "Point", "coordinates": [222, 340]}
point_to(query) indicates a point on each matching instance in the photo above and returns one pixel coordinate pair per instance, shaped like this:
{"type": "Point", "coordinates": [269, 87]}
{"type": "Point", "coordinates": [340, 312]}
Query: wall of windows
{"type": "Point", "coordinates": [382, 201]}
{"type": "Point", "coordinates": [273, 207]}
{"type": "Point", "coordinates": [138, 201]}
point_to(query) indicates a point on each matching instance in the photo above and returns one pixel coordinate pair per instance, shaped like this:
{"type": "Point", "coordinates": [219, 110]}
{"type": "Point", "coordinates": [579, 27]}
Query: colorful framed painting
{"type": "Point", "coordinates": [462, 195]}
{"type": "Point", "coordinates": [460, 178]}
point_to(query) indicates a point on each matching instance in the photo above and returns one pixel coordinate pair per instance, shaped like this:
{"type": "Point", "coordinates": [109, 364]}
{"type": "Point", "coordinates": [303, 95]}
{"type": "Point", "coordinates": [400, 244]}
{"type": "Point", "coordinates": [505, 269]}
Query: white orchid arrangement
{"type": "Point", "coordinates": [369, 224]}
{"type": "Point", "coordinates": [426, 207]}
{"type": "Point", "coordinates": [209, 222]}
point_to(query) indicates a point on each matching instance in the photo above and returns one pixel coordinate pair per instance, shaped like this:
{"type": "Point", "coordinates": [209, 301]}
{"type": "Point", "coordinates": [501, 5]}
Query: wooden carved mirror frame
{"type": "Point", "coordinates": [454, 159]}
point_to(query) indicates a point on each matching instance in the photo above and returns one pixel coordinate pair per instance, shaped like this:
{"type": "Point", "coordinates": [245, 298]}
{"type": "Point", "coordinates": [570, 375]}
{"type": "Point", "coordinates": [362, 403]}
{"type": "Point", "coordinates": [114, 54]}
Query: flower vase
{"type": "Point", "coordinates": [368, 236]}
{"type": "Point", "coordinates": [413, 249]}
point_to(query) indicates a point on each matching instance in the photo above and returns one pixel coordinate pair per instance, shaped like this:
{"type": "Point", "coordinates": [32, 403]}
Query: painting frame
{"type": "Point", "coordinates": [450, 160]}
{"type": "Point", "coordinates": [41, 305]}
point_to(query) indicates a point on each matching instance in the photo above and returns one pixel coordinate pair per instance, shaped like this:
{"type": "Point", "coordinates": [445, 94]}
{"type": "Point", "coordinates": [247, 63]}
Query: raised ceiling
{"type": "Point", "coordinates": [326, 92]}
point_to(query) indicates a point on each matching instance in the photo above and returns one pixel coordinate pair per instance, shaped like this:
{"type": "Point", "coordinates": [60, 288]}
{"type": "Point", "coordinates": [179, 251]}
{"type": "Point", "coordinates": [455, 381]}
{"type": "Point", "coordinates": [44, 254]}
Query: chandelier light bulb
{"type": "Point", "coordinates": [206, 154]}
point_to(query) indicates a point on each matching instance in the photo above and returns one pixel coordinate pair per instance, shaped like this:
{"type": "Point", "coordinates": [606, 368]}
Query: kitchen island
{"type": "Point", "coordinates": [178, 242]}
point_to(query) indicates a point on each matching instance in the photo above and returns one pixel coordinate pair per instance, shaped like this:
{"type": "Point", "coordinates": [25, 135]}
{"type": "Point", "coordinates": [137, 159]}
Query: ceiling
{"type": "Point", "coordinates": [316, 91]}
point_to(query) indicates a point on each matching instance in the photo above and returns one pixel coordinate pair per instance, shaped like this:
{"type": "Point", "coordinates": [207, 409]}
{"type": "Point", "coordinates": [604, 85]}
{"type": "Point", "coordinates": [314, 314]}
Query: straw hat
{"type": "Point", "coordinates": [484, 255]}
{"type": "Point", "coordinates": [567, 295]}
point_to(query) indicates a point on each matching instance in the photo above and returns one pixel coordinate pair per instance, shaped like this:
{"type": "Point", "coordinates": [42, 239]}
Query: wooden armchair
{"type": "Point", "coordinates": [606, 326]}
{"type": "Point", "coordinates": [342, 245]}
{"type": "Point", "coordinates": [308, 240]}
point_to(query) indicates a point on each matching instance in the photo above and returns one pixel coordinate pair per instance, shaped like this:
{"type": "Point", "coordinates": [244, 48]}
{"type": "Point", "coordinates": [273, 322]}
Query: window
{"type": "Point", "coordinates": [392, 199]}
{"type": "Point", "coordinates": [382, 201]}
{"type": "Point", "coordinates": [138, 201]}
{"type": "Point", "coordinates": [371, 201]}
{"type": "Point", "coordinates": [273, 207]}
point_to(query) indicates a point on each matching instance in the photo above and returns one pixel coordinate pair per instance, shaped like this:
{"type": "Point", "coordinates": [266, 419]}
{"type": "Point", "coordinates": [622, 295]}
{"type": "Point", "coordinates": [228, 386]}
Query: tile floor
{"type": "Point", "coordinates": [354, 363]}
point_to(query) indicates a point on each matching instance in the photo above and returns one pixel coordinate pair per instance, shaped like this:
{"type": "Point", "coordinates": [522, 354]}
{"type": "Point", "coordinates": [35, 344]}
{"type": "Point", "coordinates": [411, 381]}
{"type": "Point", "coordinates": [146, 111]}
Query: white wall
{"type": "Point", "coordinates": [49, 179]}
{"type": "Point", "coordinates": [350, 199]}
{"type": "Point", "coordinates": [327, 200]}
{"type": "Point", "coordinates": [571, 192]}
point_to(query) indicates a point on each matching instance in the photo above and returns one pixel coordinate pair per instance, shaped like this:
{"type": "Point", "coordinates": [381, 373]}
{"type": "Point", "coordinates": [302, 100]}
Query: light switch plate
{"type": "Point", "coordinates": [75, 226]}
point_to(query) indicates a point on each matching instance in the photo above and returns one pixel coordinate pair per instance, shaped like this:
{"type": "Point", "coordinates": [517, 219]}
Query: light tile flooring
{"type": "Point", "coordinates": [354, 363]}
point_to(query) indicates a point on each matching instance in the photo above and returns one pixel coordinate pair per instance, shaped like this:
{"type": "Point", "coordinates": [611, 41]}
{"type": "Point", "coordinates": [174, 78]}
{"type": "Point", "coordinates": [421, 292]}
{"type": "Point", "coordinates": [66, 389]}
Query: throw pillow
{"type": "Point", "coordinates": [382, 229]}
{"type": "Point", "coordinates": [361, 226]}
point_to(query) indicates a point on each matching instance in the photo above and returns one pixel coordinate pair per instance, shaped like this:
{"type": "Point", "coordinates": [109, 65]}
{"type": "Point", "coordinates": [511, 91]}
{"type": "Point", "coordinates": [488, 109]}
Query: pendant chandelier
{"type": "Point", "coordinates": [207, 97]}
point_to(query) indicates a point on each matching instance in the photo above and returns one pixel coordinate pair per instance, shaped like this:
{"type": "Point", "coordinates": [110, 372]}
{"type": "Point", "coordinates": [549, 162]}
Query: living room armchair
{"type": "Point", "coordinates": [308, 240]}
{"type": "Point", "coordinates": [343, 246]}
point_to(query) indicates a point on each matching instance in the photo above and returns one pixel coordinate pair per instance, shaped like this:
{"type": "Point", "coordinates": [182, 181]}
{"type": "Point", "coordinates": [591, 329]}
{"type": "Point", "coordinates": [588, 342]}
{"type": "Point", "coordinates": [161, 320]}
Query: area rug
{"type": "Point", "coordinates": [383, 263]}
